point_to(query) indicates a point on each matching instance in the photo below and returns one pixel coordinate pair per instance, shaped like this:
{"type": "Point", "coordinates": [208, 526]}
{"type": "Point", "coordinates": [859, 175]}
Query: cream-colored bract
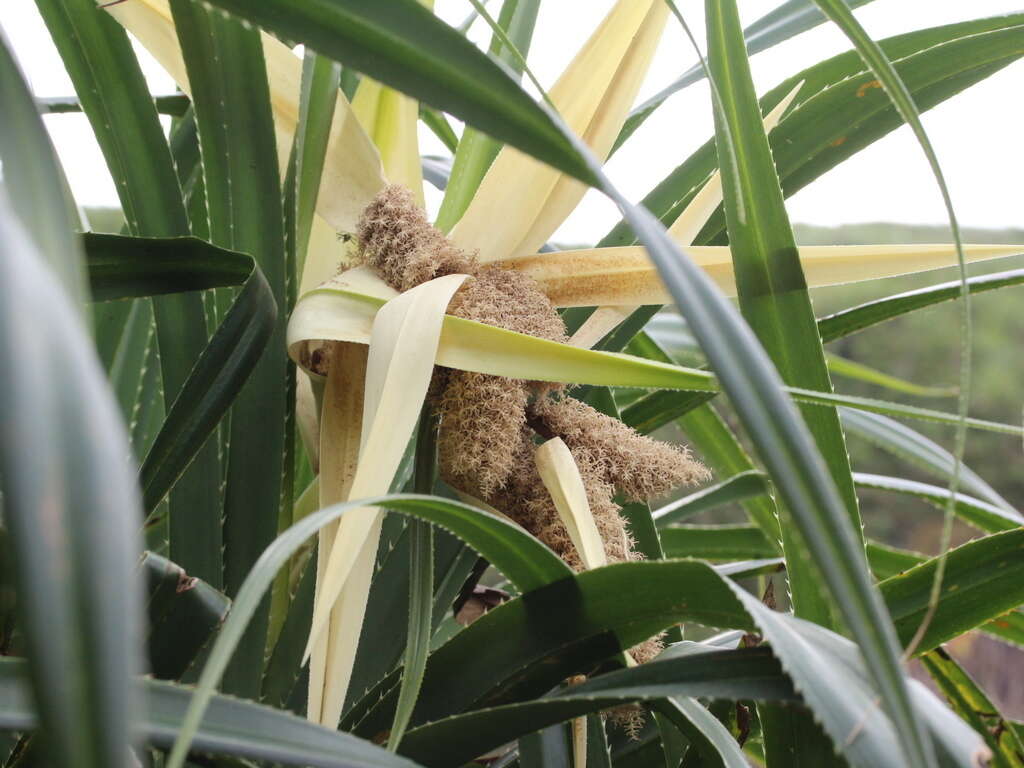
{"type": "Point", "coordinates": [684, 230]}
{"type": "Point", "coordinates": [625, 276]}
{"type": "Point", "coordinates": [403, 346]}
{"type": "Point", "coordinates": [562, 478]}
{"type": "Point", "coordinates": [522, 201]}
{"type": "Point", "coordinates": [342, 311]}
{"type": "Point", "coordinates": [352, 172]}
{"type": "Point", "coordinates": [391, 120]}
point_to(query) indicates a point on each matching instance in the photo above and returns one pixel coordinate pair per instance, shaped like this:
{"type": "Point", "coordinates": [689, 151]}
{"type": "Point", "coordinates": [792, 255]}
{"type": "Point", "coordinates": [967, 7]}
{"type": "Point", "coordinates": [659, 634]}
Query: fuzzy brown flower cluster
{"type": "Point", "coordinates": [490, 425]}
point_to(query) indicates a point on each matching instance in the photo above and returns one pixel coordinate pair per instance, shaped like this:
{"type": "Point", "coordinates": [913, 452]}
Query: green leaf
{"type": "Point", "coordinates": [421, 582]}
{"type": "Point", "coordinates": [243, 193]}
{"type": "Point", "coordinates": [113, 93]}
{"type": "Point", "coordinates": [830, 674]}
{"type": "Point", "coordinates": [441, 128]}
{"type": "Point", "coordinates": [903, 101]}
{"type": "Point", "coordinates": [127, 267]}
{"type": "Point", "coordinates": [71, 511]}
{"type": "Point", "coordinates": [36, 187]}
{"type": "Point", "coordinates": [175, 104]}
{"type": "Point", "coordinates": [124, 266]}
{"type": "Point", "coordinates": [854, 319]}
{"type": "Point", "coordinates": [972, 704]}
{"type": "Point", "coordinates": [524, 647]}
{"type": "Point", "coordinates": [321, 78]}
{"type": "Point", "coordinates": [284, 667]}
{"type": "Point", "coordinates": [770, 284]}
{"type": "Point", "coordinates": [832, 122]}
{"type": "Point", "coordinates": [981, 514]}
{"type": "Point", "coordinates": [476, 150]}
{"type": "Point", "coordinates": [825, 668]}
{"type": "Point", "coordinates": [126, 342]}
{"type": "Point", "coordinates": [711, 740]}
{"type": "Point", "coordinates": [402, 44]}
{"type": "Point", "coordinates": [851, 369]}
{"type": "Point", "coordinates": [789, 19]}
{"type": "Point", "coordinates": [718, 542]}
{"type": "Point", "coordinates": [231, 726]}
{"type": "Point", "coordinates": [752, 674]}
{"type": "Point", "coordinates": [386, 626]}
{"type": "Point", "coordinates": [738, 487]}
{"type": "Point", "coordinates": [904, 443]}
{"type": "Point", "coordinates": [983, 581]}
{"type": "Point", "coordinates": [785, 446]}
{"type": "Point", "coordinates": [522, 558]}
{"type": "Point", "coordinates": [549, 747]}
{"type": "Point", "coordinates": [598, 754]}
{"type": "Point", "coordinates": [184, 614]}
{"type": "Point", "coordinates": [887, 562]}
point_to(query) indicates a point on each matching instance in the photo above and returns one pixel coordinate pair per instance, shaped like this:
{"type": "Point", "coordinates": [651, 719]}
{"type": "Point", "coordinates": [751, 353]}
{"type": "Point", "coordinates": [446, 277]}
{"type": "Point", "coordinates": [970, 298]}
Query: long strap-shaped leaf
{"type": "Point", "coordinates": [243, 194]}
{"type": "Point", "coordinates": [854, 319]}
{"type": "Point", "coordinates": [128, 267]}
{"type": "Point", "coordinates": [908, 445]}
{"type": "Point", "coordinates": [70, 504]}
{"type": "Point", "coordinates": [114, 95]}
{"type": "Point", "coordinates": [520, 556]}
{"type": "Point", "coordinates": [983, 580]}
{"type": "Point", "coordinates": [35, 178]}
{"type": "Point", "coordinates": [971, 703]}
{"type": "Point", "coordinates": [902, 100]}
{"type": "Point", "coordinates": [771, 285]}
{"type": "Point", "coordinates": [231, 726]}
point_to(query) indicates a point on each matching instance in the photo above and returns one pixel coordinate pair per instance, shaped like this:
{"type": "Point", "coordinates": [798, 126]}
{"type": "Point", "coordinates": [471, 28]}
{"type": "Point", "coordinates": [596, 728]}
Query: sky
{"type": "Point", "coordinates": [975, 134]}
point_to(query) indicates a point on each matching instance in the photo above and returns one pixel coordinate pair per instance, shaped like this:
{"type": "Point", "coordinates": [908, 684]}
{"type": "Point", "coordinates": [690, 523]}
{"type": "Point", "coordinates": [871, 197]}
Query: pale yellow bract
{"type": "Point", "coordinates": [371, 402]}
{"type": "Point", "coordinates": [562, 478]}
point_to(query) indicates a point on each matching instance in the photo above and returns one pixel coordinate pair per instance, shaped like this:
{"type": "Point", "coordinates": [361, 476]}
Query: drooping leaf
{"type": "Point", "coordinates": [854, 319]}
{"type": "Point", "coordinates": [905, 443]}
{"type": "Point", "coordinates": [231, 726]}
{"type": "Point", "coordinates": [518, 554]}
{"type": "Point", "coordinates": [184, 614]}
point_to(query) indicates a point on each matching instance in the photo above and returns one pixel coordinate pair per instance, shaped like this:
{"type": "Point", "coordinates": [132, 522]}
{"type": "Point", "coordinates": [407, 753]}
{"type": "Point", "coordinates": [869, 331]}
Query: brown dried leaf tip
{"type": "Point", "coordinates": [490, 424]}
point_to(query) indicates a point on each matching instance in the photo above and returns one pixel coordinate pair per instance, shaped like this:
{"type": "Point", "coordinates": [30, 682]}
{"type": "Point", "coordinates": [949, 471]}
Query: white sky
{"type": "Point", "coordinates": [976, 134]}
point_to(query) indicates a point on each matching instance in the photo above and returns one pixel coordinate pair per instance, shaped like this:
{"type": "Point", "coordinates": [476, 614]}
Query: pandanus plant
{"type": "Point", "coordinates": [476, 364]}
